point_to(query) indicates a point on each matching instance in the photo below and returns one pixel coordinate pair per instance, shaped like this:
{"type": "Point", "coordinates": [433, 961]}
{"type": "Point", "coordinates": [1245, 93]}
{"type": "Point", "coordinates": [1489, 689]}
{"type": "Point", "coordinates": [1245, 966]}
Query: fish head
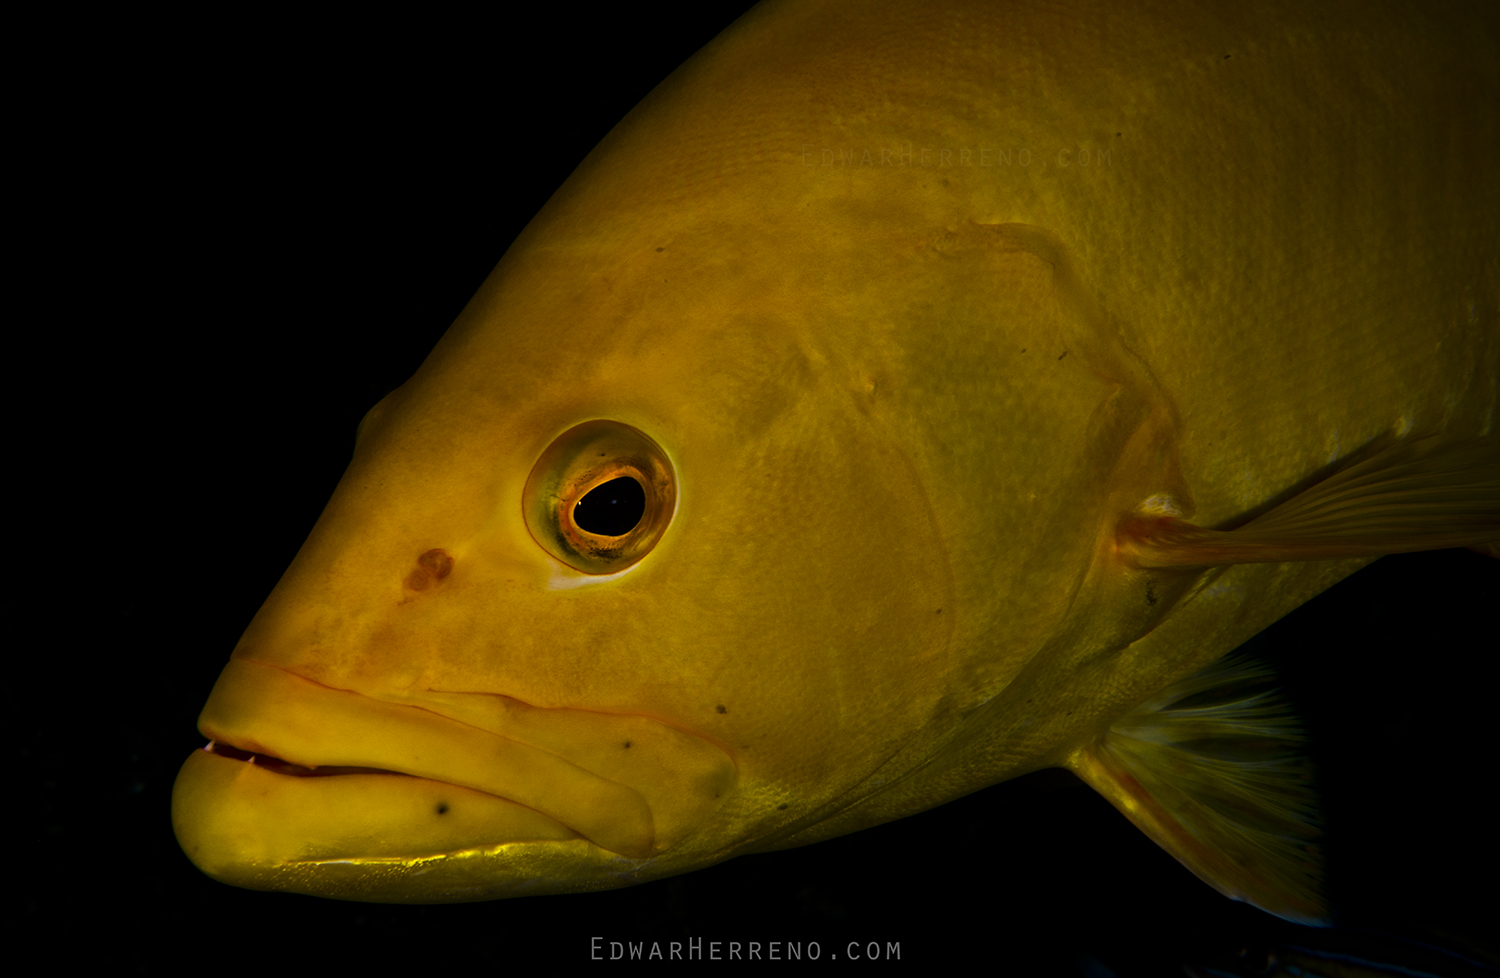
{"type": "Point", "coordinates": [870, 445]}
{"type": "Point", "coordinates": [795, 619]}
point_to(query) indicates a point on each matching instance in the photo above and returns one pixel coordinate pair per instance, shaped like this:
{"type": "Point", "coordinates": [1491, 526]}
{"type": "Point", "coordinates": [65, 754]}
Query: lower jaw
{"type": "Point", "coordinates": [375, 836]}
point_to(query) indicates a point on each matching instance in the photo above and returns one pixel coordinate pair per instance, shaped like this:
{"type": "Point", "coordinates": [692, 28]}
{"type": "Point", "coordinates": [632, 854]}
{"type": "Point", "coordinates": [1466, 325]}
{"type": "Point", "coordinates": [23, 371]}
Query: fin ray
{"type": "Point", "coordinates": [1214, 771]}
{"type": "Point", "coordinates": [1422, 495]}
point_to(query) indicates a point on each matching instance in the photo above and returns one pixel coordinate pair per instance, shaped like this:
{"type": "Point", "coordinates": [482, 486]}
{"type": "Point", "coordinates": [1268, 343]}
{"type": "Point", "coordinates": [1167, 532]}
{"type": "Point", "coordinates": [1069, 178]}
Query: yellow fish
{"type": "Point", "coordinates": [974, 405]}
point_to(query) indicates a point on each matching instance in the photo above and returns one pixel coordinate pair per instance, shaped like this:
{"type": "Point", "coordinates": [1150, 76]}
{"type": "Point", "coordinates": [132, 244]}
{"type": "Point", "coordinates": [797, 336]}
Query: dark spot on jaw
{"type": "Point", "coordinates": [1064, 353]}
{"type": "Point", "coordinates": [627, 745]}
{"type": "Point", "coordinates": [720, 709]}
{"type": "Point", "coordinates": [1150, 594]}
{"type": "Point", "coordinates": [442, 808]}
{"type": "Point", "coordinates": [781, 808]}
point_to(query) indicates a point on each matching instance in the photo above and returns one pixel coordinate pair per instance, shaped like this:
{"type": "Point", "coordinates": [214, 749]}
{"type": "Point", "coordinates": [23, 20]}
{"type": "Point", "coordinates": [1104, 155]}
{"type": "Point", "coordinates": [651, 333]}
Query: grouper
{"type": "Point", "coordinates": [901, 399]}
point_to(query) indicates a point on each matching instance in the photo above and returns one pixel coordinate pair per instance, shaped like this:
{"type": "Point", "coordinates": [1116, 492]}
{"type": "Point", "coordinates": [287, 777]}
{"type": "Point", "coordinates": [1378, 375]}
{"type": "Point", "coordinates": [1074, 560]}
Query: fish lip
{"type": "Point", "coordinates": [634, 803]}
{"type": "Point", "coordinates": [278, 764]}
{"type": "Point", "coordinates": [285, 768]}
{"type": "Point", "coordinates": [374, 838]}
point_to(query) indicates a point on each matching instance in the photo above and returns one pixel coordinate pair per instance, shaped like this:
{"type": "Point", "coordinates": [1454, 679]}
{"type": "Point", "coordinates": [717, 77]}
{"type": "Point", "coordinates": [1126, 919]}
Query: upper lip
{"type": "Point", "coordinates": [573, 766]}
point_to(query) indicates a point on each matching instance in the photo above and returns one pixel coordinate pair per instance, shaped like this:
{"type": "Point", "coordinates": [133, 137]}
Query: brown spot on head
{"type": "Point", "coordinates": [437, 562]}
{"type": "Point", "coordinates": [720, 709]}
{"type": "Point", "coordinates": [432, 567]}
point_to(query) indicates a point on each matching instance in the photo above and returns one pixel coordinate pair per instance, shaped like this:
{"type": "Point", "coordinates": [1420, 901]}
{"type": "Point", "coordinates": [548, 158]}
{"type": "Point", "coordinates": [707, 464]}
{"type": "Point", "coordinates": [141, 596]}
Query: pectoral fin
{"type": "Point", "coordinates": [1423, 495]}
{"type": "Point", "coordinates": [1213, 770]}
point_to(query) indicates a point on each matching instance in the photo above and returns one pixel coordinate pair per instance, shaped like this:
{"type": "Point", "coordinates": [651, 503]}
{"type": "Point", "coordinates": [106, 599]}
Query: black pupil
{"type": "Point", "coordinates": [612, 509]}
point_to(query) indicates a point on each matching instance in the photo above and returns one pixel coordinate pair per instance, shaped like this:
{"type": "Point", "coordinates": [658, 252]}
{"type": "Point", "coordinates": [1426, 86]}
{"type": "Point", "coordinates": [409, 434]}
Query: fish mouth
{"type": "Point", "coordinates": [300, 776]}
{"type": "Point", "coordinates": [281, 766]}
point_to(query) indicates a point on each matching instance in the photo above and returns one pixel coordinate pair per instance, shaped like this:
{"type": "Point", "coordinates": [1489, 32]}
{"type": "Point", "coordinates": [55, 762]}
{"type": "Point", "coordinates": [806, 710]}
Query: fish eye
{"type": "Point", "coordinates": [600, 497]}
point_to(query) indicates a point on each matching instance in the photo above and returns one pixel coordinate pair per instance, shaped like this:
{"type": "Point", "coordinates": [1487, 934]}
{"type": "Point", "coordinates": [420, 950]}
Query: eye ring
{"type": "Point", "coordinates": [582, 459]}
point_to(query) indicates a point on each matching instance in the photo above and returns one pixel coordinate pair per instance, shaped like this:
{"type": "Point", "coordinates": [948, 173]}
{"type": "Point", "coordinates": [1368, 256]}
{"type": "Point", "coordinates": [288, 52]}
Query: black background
{"type": "Point", "coordinates": [281, 221]}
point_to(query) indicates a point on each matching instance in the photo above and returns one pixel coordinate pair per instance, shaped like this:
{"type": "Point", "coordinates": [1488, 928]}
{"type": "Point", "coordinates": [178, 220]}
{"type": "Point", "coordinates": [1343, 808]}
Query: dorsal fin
{"type": "Point", "coordinates": [1213, 770]}
{"type": "Point", "coordinates": [1421, 495]}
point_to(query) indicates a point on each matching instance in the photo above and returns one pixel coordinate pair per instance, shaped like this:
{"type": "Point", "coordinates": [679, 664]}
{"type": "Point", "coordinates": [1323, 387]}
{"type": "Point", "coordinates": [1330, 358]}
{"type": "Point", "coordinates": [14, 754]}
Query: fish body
{"type": "Point", "coordinates": [905, 407]}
